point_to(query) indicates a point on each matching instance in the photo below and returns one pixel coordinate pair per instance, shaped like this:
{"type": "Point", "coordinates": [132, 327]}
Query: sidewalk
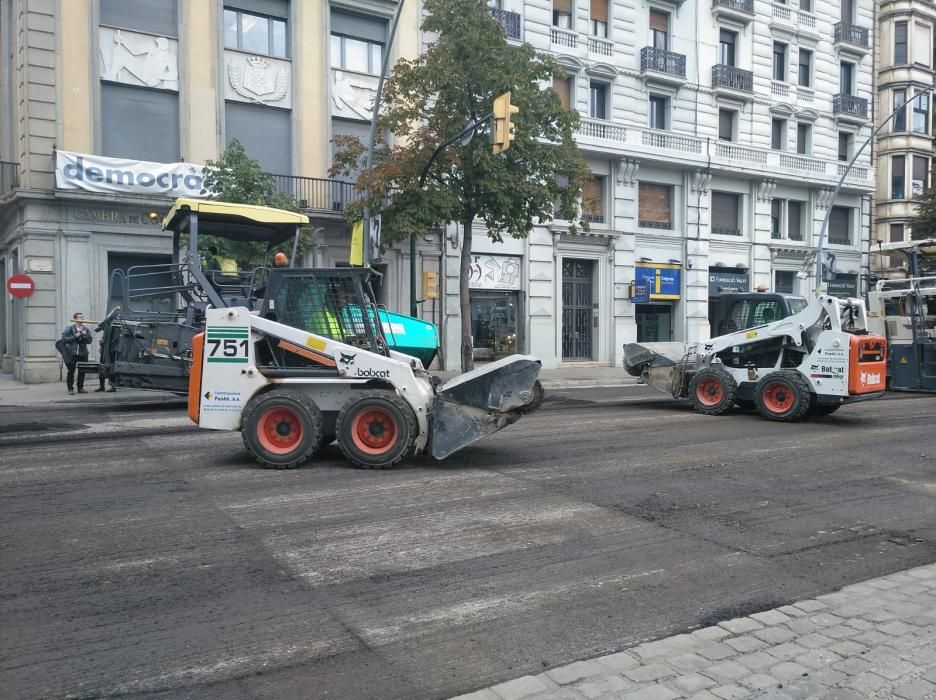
{"type": "Point", "coordinates": [16, 394]}
{"type": "Point", "coordinates": [875, 639]}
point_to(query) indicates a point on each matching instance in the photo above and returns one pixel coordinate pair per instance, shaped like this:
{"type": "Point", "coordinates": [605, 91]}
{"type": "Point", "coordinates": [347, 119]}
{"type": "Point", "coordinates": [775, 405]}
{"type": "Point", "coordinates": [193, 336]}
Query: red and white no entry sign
{"type": "Point", "coordinates": [21, 286]}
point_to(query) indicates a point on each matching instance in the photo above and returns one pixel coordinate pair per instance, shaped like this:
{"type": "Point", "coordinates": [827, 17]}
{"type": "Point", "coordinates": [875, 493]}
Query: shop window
{"type": "Point", "coordinates": [655, 206]}
{"type": "Point", "coordinates": [255, 33]}
{"type": "Point", "coordinates": [726, 213]}
{"type": "Point", "coordinates": [784, 281]}
{"type": "Point", "coordinates": [840, 226]}
{"type": "Point", "coordinates": [495, 331]}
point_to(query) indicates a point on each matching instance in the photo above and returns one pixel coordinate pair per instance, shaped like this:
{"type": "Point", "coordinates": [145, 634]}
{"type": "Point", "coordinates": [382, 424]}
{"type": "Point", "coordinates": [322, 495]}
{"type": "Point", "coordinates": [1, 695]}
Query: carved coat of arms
{"type": "Point", "coordinates": [258, 80]}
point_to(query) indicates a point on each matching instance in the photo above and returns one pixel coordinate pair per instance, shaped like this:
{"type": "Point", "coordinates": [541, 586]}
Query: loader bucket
{"type": "Point", "coordinates": [481, 402]}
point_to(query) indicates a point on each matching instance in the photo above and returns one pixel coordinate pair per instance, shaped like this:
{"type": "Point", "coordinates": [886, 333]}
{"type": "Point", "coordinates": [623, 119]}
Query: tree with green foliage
{"type": "Point", "coordinates": [923, 225]}
{"type": "Point", "coordinates": [430, 99]}
{"type": "Point", "coordinates": [237, 178]}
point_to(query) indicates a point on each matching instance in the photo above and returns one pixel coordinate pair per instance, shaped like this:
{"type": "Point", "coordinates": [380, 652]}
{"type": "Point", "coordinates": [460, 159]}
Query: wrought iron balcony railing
{"type": "Point", "coordinates": [850, 104]}
{"type": "Point", "coordinates": [743, 5]}
{"type": "Point", "coordinates": [733, 78]}
{"type": "Point", "coordinates": [663, 61]}
{"type": "Point", "coordinates": [316, 193]}
{"type": "Point", "coordinates": [510, 21]}
{"type": "Point", "coordinates": [8, 176]}
{"type": "Point", "coordinates": [851, 34]}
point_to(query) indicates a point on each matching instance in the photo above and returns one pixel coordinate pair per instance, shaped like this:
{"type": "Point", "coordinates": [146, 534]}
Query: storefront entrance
{"type": "Point", "coordinates": [578, 309]}
{"type": "Point", "coordinates": [494, 327]}
{"type": "Point", "coordinates": [654, 323]}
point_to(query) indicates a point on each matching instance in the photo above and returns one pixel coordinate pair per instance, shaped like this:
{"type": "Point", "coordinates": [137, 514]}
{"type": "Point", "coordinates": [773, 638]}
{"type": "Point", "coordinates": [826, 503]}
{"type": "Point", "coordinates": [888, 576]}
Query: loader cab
{"type": "Point", "coordinates": [741, 310]}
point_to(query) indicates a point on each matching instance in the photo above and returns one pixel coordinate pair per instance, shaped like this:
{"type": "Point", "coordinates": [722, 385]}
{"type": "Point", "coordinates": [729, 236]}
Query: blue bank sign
{"type": "Point", "coordinates": [662, 281]}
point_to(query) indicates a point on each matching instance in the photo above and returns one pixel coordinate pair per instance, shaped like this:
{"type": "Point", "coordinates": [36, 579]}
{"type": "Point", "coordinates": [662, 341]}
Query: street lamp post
{"type": "Point", "coordinates": [466, 134]}
{"type": "Point", "coordinates": [841, 183]}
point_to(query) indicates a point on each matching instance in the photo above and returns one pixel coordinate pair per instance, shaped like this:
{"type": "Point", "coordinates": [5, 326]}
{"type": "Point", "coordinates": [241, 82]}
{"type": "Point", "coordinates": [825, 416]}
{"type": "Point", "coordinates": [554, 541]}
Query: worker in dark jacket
{"type": "Point", "coordinates": [108, 344]}
{"type": "Point", "coordinates": [76, 338]}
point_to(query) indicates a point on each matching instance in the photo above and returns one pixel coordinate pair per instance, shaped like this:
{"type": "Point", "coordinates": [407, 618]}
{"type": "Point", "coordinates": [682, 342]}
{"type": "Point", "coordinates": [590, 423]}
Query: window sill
{"type": "Point", "coordinates": [261, 55]}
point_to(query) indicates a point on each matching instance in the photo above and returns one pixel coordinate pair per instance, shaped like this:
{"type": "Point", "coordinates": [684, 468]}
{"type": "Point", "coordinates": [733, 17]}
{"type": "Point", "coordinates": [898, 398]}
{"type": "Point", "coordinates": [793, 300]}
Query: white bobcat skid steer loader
{"type": "Point", "coordinates": [814, 361]}
{"type": "Point", "coordinates": [290, 391]}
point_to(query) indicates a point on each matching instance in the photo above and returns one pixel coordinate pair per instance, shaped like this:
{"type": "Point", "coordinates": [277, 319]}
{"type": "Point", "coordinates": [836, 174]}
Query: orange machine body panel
{"type": "Point", "coordinates": [195, 375]}
{"type": "Point", "coordinates": [867, 364]}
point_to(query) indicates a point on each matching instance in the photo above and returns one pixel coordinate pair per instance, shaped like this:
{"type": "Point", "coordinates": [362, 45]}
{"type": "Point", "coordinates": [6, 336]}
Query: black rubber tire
{"type": "Point", "coordinates": [824, 409]}
{"type": "Point", "coordinates": [392, 407]}
{"type": "Point", "coordinates": [538, 395]}
{"type": "Point", "coordinates": [795, 384]}
{"type": "Point", "coordinates": [305, 412]}
{"type": "Point", "coordinates": [718, 381]}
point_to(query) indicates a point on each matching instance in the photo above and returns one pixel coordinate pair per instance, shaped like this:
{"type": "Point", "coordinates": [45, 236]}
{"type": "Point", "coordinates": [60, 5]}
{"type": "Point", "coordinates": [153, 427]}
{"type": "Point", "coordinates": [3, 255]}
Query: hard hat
{"type": "Point", "coordinates": [280, 259]}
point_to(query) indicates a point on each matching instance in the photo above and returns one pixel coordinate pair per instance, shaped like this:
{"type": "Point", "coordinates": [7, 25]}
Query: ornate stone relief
{"type": "Point", "coordinates": [257, 79]}
{"type": "Point", "coordinates": [139, 59]}
{"type": "Point", "coordinates": [353, 94]}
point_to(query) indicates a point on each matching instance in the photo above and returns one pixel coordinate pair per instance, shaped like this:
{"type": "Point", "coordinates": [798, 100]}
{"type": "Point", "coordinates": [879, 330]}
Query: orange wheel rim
{"type": "Point", "coordinates": [710, 392]}
{"type": "Point", "coordinates": [778, 397]}
{"type": "Point", "coordinates": [374, 431]}
{"type": "Point", "coordinates": [280, 430]}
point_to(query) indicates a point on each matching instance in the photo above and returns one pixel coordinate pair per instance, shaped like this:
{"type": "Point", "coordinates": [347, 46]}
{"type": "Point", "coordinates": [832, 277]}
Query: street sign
{"type": "Point", "coordinates": [21, 286]}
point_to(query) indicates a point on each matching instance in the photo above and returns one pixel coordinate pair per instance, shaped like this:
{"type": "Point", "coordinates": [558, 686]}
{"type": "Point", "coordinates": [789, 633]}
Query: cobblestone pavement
{"type": "Point", "coordinates": [875, 639]}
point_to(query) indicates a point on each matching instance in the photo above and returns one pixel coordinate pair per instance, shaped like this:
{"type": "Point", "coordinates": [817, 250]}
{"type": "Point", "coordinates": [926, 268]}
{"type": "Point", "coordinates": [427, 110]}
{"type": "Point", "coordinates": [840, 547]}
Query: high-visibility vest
{"type": "Point", "coordinates": [228, 265]}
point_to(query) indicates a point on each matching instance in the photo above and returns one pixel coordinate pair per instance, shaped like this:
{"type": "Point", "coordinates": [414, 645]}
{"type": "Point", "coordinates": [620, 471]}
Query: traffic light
{"type": "Point", "coordinates": [503, 128]}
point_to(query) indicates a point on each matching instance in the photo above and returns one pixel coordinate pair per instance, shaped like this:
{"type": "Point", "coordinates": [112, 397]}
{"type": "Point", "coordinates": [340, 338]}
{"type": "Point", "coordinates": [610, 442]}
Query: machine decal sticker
{"type": "Point", "coordinates": [316, 343]}
{"type": "Point", "coordinates": [222, 401]}
{"type": "Point", "coordinates": [227, 344]}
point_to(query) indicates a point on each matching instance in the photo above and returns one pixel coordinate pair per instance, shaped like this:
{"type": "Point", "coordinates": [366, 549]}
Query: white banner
{"type": "Point", "coordinates": [494, 272]}
{"type": "Point", "coordinates": [81, 171]}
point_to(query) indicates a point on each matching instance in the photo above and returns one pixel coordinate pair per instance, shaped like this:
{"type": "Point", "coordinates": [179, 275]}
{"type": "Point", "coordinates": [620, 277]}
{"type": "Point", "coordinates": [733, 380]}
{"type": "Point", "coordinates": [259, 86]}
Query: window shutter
{"type": "Point", "coordinates": [599, 10]}
{"type": "Point", "coordinates": [655, 205]}
{"type": "Point", "coordinates": [724, 213]}
{"type": "Point", "coordinates": [140, 124]}
{"type": "Point", "coordinates": [838, 225]}
{"type": "Point", "coordinates": [921, 44]}
{"type": "Point", "coordinates": [725, 124]}
{"type": "Point", "coordinates": [593, 198]}
{"type": "Point", "coordinates": [264, 132]}
{"type": "Point", "coordinates": [563, 88]}
{"type": "Point", "coordinates": [359, 26]}
{"type": "Point", "coordinates": [794, 219]}
{"type": "Point", "coordinates": [151, 16]}
{"type": "Point", "coordinates": [659, 21]}
{"type": "Point", "coordinates": [564, 6]}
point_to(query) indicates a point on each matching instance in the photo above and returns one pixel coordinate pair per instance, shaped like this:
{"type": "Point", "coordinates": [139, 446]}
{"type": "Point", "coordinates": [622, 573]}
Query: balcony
{"type": "Point", "coordinates": [9, 177]}
{"type": "Point", "coordinates": [850, 108]}
{"type": "Point", "coordinates": [317, 194]}
{"type": "Point", "coordinates": [729, 81]}
{"type": "Point", "coordinates": [601, 46]}
{"type": "Point", "coordinates": [662, 66]}
{"type": "Point", "coordinates": [563, 37]}
{"type": "Point", "coordinates": [737, 10]}
{"type": "Point", "coordinates": [510, 21]}
{"type": "Point", "coordinates": [851, 38]}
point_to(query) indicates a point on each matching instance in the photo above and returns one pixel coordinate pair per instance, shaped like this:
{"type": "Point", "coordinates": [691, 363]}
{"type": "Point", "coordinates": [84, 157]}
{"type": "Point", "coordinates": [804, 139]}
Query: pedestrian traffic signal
{"type": "Point", "coordinates": [503, 127]}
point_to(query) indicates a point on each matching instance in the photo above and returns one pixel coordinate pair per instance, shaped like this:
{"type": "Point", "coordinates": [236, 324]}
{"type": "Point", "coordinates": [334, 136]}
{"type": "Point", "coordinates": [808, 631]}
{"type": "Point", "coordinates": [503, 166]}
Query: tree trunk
{"type": "Point", "coordinates": [467, 351]}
